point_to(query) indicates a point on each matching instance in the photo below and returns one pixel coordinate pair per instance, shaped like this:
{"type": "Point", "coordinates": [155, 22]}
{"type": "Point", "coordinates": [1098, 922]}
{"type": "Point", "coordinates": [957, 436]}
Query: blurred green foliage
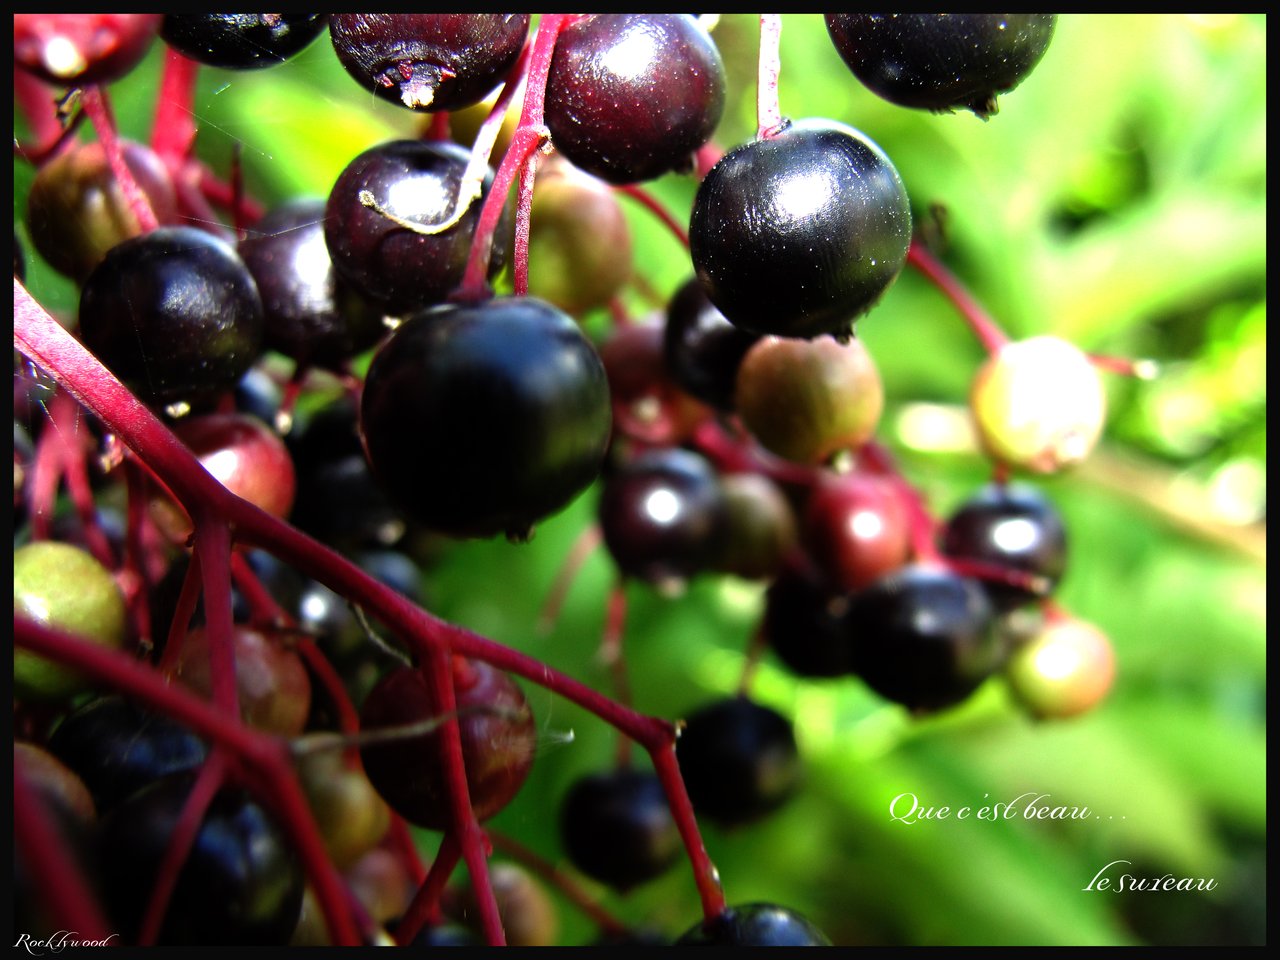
{"type": "Point", "coordinates": [1118, 199]}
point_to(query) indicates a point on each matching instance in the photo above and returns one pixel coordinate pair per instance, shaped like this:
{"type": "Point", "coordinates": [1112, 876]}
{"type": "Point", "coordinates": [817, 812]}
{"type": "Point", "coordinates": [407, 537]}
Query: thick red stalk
{"type": "Point", "coordinates": [94, 102]}
{"type": "Point", "coordinates": [705, 875]}
{"type": "Point", "coordinates": [425, 906]}
{"type": "Point", "coordinates": [173, 136]}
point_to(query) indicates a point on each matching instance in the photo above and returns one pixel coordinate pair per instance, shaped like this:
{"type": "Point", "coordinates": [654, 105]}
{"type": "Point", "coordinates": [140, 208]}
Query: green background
{"type": "Point", "coordinates": [1118, 199]}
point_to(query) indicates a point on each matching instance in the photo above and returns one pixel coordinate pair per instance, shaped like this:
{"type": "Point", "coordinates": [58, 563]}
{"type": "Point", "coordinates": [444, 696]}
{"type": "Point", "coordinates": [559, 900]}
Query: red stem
{"type": "Point", "coordinates": [561, 880]}
{"type": "Point", "coordinates": [645, 199]}
{"type": "Point", "coordinates": [120, 671]}
{"type": "Point", "coordinates": [94, 102]}
{"type": "Point", "coordinates": [980, 322]}
{"type": "Point", "coordinates": [425, 907]}
{"type": "Point", "coordinates": [705, 875]}
{"type": "Point", "coordinates": [207, 783]}
{"type": "Point", "coordinates": [173, 136]}
{"type": "Point", "coordinates": [529, 137]}
{"type": "Point", "coordinates": [36, 99]}
{"type": "Point", "coordinates": [768, 110]}
{"type": "Point", "coordinates": [876, 459]}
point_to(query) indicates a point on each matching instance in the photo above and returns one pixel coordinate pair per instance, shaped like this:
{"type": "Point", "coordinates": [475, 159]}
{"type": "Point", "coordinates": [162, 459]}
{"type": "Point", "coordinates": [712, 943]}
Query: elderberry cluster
{"type": "Point", "coordinates": [224, 731]}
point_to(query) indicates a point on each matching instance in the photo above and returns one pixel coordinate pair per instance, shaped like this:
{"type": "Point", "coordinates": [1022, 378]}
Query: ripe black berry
{"type": "Point", "coordinates": [940, 61]}
{"type": "Point", "coordinates": [618, 828]}
{"type": "Point", "coordinates": [632, 96]}
{"type": "Point", "coordinates": [1012, 526]}
{"type": "Point", "coordinates": [664, 516]}
{"type": "Point", "coordinates": [387, 186]}
{"type": "Point", "coordinates": [923, 637]}
{"type": "Point", "coordinates": [485, 418]}
{"type": "Point", "coordinates": [755, 925]}
{"type": "Point", "coordinates": [240, 884]}
{"type": "Point", "coordinates": [117, 748]}
{"type": "Point", "coordinates": [703, 349]}
{"type": "Point", "coordinates": [799, 233]}
{"type": "Point", "coordinates": [804, 624]}
{"type": "Point", "coordinates": [310, 314]}
{"type": "Point", "coordinates": [429, 61]}
{"type": "Point", "coordinates": [241, 41]}
{"type": "Point", "coordinates": [738, 759]}
{"type": "Point", "coordinates": [173, 313]}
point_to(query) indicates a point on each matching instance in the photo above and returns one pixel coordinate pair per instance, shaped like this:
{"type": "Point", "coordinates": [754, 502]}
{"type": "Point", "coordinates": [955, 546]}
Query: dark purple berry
{"type": "Point", "coordinates": [702, 348]}
{"type": "Point", "coordinates": [941, 61]}
{"type": "Point", "coordinates": [664, 516]}
{"type": "Point", "coordinates": [173, 313]}
{"type": "Point", "coordinates": [241, 884]}
{"type": "Point", "coordinates": [485, 418]}
{"type": "Point", "coordinates": [804, 624]}
{"type": "Point", "coordinates": [923, 637]}
{"type": "Point", "coordinates": [617, 828]}
{"type": "Point", "coordinates": [117, 748]}
{"type": "Point", "coordinates": [310, 314]}
{"type": "Point", "coordinates": [392, 225]}
{"type": "Point", "coordinates": [739, 760]}
{"type": "Point", "coordinates": [632, 96]}
{"type": "Point", "coordinates": [800, 233]}
{"type": "Point", "coordinates": [241, 41]}
{"type": "Point", "coordinates": [429, 61]}
{"type": "Point", "coordinates": [755, 925]}
{"type": "Point", "coordinates": [1014, 527]}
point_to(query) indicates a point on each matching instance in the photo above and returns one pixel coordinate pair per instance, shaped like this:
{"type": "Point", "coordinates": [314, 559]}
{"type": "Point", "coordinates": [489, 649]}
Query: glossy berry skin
{"type": "Point", "coordinates": [78, 48]}
{"type": "Point", "coordinates": [241, 41]}
{"type": "Point", "coordinates": [498, 740]}
{"type": "Point", "coordinates": [739, 760]}
{"type": "Point", "coordinates": [941, 61]}
{"type": "Point", "coordinates": [310, 314]}
{"type": "Point", "coordinates": [617, 828]}
{"type": "Point", "coordinates": [664, 516]}
{"type": "Point", "coordinates": [241, 883]}
{"type": "Point", "coordinates": [244, 455]}
{"type": "Point", "coordinates": [64, 587]}
{"type": "Point", "coordinates": [173, 313]}
{"type": "Point", "coordinates": [755, 925]}
{"type": "Point", "coordinates": [1013, 526]}
{"type": "Point", "coordinates": [923, 637]}
{"type": "Point", "coordinates": [633, 96]}
{"type": "Point", "coordinates": [703, 349]}
{"type": "Point", "coordinates": [117, 748]}
{"type": "Point", "coordinates": [856, 528]}
{"type": "Point", "coordinates": [800, 233]}
{"type": "Point", "coordinates": [429, 61]}
{"type": "Point", "coordinates": [77, 210]}
{"type": "Point", "coordinates": [485, 418]}
{"type": "Point", "coordinates": [415, 181]}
